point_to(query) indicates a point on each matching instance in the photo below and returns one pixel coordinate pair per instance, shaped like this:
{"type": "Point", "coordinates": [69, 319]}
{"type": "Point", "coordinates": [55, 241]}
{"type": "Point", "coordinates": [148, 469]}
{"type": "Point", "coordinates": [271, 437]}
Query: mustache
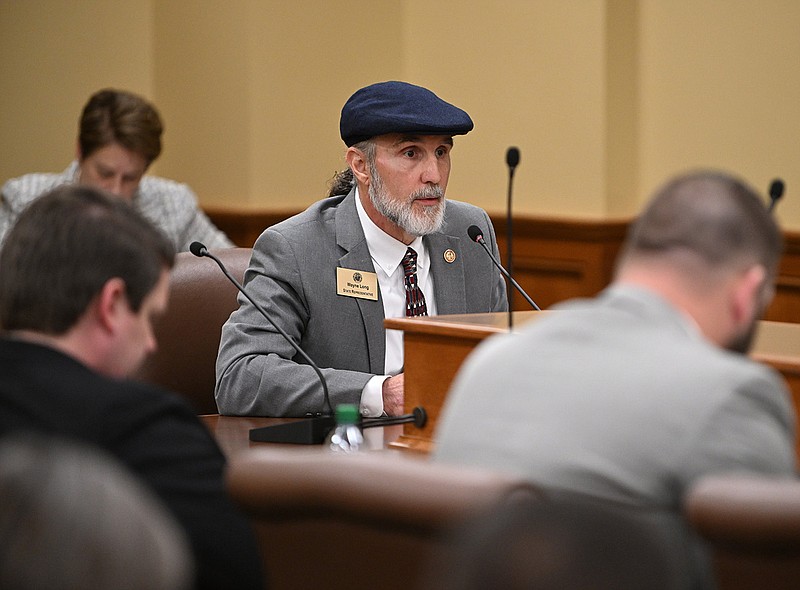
{"type": "Point", "coordinates": [427, 192]}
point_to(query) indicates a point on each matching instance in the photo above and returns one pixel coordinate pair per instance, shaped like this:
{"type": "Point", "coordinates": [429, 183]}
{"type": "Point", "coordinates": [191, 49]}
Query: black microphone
{"type": "Point", "coordinates": [310, 431]}
{"type": "Point", "coordinates": [775, 192]}
{"type": "Point", "coordinates": [313, 430]}
{"type": "Point", "coordinates": [512, 160]}
{"type": "Point", "coordinates": [476, 235]}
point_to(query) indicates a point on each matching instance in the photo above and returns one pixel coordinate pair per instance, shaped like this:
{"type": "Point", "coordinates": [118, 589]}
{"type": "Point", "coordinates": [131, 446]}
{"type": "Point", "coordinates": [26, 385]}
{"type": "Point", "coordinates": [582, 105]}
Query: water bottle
{"type": "Point", "coordinates": [347, 436]}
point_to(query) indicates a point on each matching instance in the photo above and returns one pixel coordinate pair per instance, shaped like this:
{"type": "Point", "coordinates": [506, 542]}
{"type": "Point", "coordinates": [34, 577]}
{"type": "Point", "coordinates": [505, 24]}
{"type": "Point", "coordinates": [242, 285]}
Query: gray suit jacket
{"type": "Point", "coordinates": [621, 399]}
{"type": "Point", "coordinates": [292, 274]}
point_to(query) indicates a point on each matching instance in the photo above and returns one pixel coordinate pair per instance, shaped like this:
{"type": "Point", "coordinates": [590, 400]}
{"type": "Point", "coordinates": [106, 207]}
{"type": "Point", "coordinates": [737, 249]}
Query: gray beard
{"type": "Point", "coordinates": [401, 213]}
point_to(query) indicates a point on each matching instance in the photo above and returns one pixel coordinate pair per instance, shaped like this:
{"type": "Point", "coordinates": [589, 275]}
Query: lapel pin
{"type": "Point", "coordinates": [449, 256]}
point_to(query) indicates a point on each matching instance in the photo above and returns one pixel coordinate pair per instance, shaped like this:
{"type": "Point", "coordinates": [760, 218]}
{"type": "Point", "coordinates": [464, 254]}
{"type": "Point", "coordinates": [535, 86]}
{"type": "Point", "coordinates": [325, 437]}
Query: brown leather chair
{"type": "Point", "coordinates": [200, 300]}
{"type": "Point", "coordinates": [367, 520]}
{"type": "Point", "coordinates": [752, 526]}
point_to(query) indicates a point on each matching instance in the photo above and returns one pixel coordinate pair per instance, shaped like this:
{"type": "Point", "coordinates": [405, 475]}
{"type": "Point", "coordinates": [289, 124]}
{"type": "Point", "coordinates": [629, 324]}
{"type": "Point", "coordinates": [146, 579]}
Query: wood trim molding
{"type": "Point", "coordinates": [243, 226]}
{"type": "Point", "coordinates": [557, 259]}
{"type": "Point", "coordinates": [554, 259]}
{"type": "Point", "coordinates": [786, 305]}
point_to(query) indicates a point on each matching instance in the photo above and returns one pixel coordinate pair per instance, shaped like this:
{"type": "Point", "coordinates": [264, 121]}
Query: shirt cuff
{"type": "Point", "coordinates": [372, 396]}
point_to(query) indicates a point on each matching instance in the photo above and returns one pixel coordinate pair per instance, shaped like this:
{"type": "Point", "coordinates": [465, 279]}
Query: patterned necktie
{"type": "Point", "coordinates": [415, 300]}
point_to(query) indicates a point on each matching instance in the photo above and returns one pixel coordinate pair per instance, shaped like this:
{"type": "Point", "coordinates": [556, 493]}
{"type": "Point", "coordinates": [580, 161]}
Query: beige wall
{"type": "Point", "coordinates": [50, 63]}
{"type": "Point", "coordinates": [252, 90]}
{"type": "Point", "coordinates": [720, 86]}
{"type": "Point", "coordinates": [604, 98]}
{"type": "Point", "coordinates": [531, 75]}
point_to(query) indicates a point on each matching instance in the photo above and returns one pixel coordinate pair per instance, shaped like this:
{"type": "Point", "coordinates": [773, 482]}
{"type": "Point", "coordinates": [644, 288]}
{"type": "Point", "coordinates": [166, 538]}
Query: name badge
{"type": "Point", "coordinates": [356, 283]}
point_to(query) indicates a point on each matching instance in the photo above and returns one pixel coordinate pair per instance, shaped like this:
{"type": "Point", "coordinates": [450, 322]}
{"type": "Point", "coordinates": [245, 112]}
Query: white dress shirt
{"type": "Point", "coordinates": [387, 256]}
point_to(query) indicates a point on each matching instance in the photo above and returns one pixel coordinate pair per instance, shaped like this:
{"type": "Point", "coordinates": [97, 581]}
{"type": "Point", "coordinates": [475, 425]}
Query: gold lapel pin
{"type": "Point", "coordinates": [449, 256]}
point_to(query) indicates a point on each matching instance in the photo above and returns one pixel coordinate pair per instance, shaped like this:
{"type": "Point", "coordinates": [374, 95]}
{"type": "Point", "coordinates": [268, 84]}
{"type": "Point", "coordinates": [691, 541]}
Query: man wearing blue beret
{"type": "Point", "coordinates": [385, 244]}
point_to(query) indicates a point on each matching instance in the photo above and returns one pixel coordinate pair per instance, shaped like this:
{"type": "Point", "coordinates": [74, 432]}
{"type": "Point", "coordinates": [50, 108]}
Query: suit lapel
{"type": "Point", "coordinates": [350, 237]}
{"type": "Point", "coordinates": [448, 277]}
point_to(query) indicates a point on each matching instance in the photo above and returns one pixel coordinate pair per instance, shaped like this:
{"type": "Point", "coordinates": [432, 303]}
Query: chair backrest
{"type": "Point", "coordinates": [752, 526]}
{"type": "Point", "coordinates": [200, 301]}
{"type": "Point", "coordinates": [369, 520]}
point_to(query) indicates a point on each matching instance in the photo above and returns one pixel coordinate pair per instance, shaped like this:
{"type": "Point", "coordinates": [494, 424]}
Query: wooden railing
{"type": "Point", "coordinates": [554, 259]}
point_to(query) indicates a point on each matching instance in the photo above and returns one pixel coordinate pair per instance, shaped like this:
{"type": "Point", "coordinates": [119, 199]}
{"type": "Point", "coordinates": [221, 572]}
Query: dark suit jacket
{"type": "Point", "coordinates": [292, 275]}
{"type": "Point", "coordinates": [153, 433]}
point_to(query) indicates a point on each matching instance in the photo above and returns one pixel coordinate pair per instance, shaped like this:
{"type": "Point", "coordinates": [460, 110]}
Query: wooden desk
{"type": "Point", "coordinates": [232, 433]}
{"type": "Point", "coordinates": [436, 346]}
{"type": "Point", "coordinates": [778, 344]}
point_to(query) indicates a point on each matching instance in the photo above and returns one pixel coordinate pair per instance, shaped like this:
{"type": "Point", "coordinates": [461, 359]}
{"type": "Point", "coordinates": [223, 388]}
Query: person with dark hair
{"type": "Point", "coordinates": [82, 277]}
{"type": "Point", "coordinates": [387, 245]}
{"type": "Point", "coordinates": [73, 517]}
{"type": "Point", "coordinates": [119, 136]}
{"type": "Point", "coordinates": [630, 397]}
{"type": "Point", "coordinates": [573, 544]}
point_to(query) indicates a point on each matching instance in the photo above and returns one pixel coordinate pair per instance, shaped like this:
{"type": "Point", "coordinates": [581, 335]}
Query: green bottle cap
{"type": "Point", "coordinates": [347, 414]}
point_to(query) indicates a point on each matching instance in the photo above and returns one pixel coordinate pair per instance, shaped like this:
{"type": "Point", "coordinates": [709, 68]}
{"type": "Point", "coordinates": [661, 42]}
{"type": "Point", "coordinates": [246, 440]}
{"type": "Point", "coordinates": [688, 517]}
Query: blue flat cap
{"type": "Point", "coordinates": [399, 107]}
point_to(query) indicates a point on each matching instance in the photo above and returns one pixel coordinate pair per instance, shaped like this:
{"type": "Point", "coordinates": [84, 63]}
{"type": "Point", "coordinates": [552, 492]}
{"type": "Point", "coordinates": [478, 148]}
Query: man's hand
{"type": "Point", "coordinates": [393, 395]}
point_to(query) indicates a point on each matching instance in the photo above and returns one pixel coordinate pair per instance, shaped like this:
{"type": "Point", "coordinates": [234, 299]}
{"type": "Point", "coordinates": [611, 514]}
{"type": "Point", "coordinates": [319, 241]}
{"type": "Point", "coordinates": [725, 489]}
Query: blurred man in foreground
{"type": "Point", "coordinates": [82, 277]}
{"type": "Point", "coordinates": [630, 397]}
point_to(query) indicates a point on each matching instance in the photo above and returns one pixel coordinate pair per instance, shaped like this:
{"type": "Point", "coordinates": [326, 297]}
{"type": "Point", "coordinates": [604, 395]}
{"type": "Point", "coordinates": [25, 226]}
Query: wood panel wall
{"type": "Point", "coordinates": [554, 259]}
{"type": "Point", "coordinates": [786, 305]}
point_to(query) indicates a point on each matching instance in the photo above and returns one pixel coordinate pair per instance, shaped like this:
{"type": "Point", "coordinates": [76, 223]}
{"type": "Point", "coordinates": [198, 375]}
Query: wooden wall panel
{"type": "Point", "coordinates": [554, 259]}
{"type": "Point", "coordinates": [244, 226]}
{"type": "Point", "coordinates": [786, 305]}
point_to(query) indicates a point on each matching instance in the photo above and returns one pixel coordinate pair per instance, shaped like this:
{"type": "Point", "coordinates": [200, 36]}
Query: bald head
{"type": "Point", "coordinates": [709, 216]}
{"type": "Point", "coordinates": [707, 244]}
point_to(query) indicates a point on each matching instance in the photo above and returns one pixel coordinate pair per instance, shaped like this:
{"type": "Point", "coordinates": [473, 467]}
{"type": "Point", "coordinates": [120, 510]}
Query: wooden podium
{"type": "Point", "coordinates": [436, 346]}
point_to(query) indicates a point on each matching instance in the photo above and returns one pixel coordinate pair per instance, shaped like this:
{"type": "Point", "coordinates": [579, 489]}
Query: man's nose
{"type": "Point", "coordinates": [431, 173]}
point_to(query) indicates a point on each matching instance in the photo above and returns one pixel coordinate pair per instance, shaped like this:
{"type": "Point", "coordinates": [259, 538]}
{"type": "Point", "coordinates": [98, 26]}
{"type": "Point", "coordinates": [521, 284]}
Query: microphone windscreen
{"type": "Point", "coordinates": [776, 189]}
{"type": "Point", "coordinates": [197, 249]}
{"type": "Point", "coordinates": [512, 157]}
{"type": "Point", "coordinates": [474, 233]}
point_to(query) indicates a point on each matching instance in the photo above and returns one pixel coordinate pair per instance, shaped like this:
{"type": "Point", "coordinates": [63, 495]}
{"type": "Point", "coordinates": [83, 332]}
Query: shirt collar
{"type": "Point", "coordinates": [387, 252]}
{"type": "Point", "coordinates": [72, 172]}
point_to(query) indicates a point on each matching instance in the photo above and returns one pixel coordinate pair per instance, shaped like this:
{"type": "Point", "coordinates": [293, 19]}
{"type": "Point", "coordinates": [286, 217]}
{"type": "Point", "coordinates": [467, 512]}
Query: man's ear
{"type": "Point", "coordinates": [111, 302]}
{"type": "Point", "coordinates": [358, 164]}
{"type": "Point", "coordinates": [78, 153]}
{"type": "Point", "coordinates": [747, 296]}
